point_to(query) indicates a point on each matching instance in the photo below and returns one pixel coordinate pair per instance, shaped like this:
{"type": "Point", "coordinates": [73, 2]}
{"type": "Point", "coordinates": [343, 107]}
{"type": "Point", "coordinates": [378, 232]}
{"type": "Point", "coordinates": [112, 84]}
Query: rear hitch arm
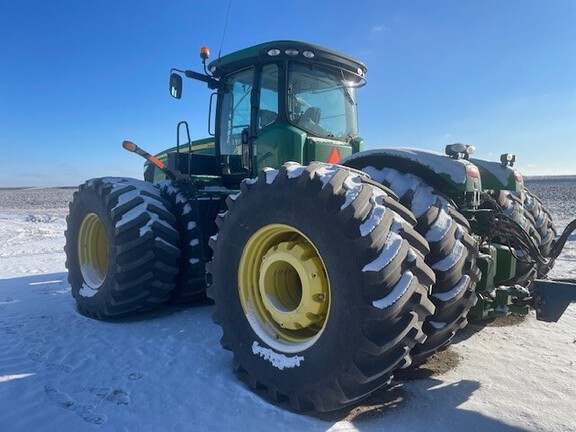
{"type": "Point", "coordinates": [131, 147]}
{"type": "Point", "coordinates": [551, 297]}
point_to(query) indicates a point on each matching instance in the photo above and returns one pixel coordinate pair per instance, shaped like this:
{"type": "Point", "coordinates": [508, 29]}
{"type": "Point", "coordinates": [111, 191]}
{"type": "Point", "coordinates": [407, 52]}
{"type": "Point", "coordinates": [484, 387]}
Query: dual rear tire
{"type": "Point", "coordinates": [320, 284]}
{"type": "Point", "coordinates": [121, 248]}
{"type": "Point", "coordinates": [452, 257]}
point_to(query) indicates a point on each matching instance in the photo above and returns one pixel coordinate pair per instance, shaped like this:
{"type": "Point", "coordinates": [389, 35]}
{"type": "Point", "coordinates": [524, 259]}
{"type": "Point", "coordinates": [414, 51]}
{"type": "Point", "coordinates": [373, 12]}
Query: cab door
{"type": "Point", "coordinates": [236, 124]}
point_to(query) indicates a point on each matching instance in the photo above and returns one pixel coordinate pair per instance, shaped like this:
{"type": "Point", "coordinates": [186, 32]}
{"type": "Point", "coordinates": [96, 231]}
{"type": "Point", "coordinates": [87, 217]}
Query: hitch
{"type": "Point", "coordinates": [552, 297]}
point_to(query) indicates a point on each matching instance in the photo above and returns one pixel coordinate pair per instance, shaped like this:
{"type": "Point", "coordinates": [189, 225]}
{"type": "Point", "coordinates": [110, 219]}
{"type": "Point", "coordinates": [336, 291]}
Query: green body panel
{"type": "Point", "coordinates": [324, 150]}
{"type": "Point", "coordinates": [203, 146]}
{"type": "Point", "coordinates": [497, 265]}
{"type": "Point", "coordinates": [450, 176]}
{"type": "Point", "coordinates": [505, 264]}
{"type": "Point", "coordinates": [277, 144]}
{"type": "Point", "coordinates": [487, 263]}
{"type": "Point", "coordinates": [497, 177]}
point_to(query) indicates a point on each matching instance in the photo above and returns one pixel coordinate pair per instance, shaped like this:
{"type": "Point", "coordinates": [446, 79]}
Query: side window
{"type": "Point", "coordinates": [236, 108]}
{"type": "Point", "coordinates": [268, 111]}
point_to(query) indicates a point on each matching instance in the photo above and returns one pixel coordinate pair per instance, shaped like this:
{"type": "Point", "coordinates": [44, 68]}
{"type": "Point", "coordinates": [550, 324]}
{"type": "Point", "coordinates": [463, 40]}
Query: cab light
{"type": "Point", "coordinates": [291, 52]}
{"type": "Point", "coordinates": [507, 159]}
{"type": "Point", "coordinates": [518, 176]}
{"type": "Point", "coordinates": [273, 52]}
{"type": "Point", "coordinates": [308, 54]}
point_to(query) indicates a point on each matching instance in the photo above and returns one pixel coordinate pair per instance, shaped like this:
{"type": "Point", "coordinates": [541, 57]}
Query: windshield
{"type": "Point", "coordinates": [321, 102]}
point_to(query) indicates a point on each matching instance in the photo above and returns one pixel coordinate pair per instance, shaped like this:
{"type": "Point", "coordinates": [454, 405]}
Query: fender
{"type": "Point", "coordinates": [497, 177]}
{"type": "Point", "coordinates": [459, 179]}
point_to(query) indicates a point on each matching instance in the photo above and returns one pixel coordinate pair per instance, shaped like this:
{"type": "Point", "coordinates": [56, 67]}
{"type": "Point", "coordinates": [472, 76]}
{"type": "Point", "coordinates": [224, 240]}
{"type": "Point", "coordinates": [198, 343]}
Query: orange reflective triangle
{"type": "Point", "coordinates": [334, 156]}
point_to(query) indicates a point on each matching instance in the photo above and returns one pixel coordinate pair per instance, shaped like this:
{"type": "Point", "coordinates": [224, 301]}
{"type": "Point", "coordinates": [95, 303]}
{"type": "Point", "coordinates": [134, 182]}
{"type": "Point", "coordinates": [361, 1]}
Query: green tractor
{"type": "Point", "coordinates": [330, 267]}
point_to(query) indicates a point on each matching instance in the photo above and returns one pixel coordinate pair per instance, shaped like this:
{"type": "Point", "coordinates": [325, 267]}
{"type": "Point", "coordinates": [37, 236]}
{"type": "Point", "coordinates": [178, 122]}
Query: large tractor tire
{"type": "Point", "coordinates": [121, 247]}
{"type": "Point", "coordinates": [543, 223]}
{"type": "Point", "coordinates": [528, 211]}
{"type": "Point", "coordinates": [191, 278]}
{"type": "Point", "coordinates": [452, 256]}
{"type": "Point", "coordinates": [320, 284]}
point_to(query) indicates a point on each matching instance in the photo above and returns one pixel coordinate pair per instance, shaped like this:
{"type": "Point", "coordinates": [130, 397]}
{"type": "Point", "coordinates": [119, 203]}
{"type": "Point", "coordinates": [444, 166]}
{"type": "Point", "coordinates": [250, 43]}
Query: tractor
{"type": "Point", "coordinates": [330, 266]}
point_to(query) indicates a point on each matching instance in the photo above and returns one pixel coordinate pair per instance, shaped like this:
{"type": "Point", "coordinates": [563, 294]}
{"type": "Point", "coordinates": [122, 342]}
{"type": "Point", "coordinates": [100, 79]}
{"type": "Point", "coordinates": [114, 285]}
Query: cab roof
{"type": "Point", "coordinates": [284, 50]}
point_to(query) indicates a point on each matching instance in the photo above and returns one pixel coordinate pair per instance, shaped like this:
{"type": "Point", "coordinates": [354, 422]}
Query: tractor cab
{"type": "Point", "coordinates": [275, 102]}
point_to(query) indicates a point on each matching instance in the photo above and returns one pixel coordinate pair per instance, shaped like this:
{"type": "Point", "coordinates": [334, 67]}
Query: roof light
{"type": "Point", "coordinates": [459, 151]}
{"type": "Point", "coordinates": [507, 159]}
{"type": "Point", "coordinates": [273, 52]}
{"type": "Point", "coordinates": [213, 68]}
{"type": "Point", "coordinates": [360, 71]}
{"type": "Point", "coordinates": [291, 52]}
{"type": "Point", "coordinates": [308, 54]}
{"type": "Point", "coordinates": [204, 53]}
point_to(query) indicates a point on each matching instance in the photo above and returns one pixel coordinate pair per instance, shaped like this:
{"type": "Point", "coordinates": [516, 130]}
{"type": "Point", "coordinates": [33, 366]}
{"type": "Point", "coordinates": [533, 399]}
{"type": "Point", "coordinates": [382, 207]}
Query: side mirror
{"type": "Point", "coordinates": [175, 85]}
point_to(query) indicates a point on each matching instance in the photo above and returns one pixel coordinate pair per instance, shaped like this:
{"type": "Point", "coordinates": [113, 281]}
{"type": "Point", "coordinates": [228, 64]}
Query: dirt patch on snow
{"type": "Point", "coordinates": [437, 364]}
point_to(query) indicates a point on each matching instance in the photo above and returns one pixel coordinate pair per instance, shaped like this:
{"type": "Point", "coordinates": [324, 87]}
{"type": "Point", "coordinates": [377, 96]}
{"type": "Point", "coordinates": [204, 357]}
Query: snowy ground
{"type": "Point", "coordinates": [165, 371]}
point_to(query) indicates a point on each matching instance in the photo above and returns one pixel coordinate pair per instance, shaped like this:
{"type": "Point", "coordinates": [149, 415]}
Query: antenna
{"type": "Point", "coordinates": [225, 26]}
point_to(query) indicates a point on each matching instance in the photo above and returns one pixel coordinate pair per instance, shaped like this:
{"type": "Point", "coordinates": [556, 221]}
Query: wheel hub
{"type": "Point", "coordinates": [284, 288]}
{"type": "Point", "coordinates": [290, 288]}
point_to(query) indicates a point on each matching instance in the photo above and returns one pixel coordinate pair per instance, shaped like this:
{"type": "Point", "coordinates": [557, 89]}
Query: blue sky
{"type": "Point", "coordinates": [78, 77]}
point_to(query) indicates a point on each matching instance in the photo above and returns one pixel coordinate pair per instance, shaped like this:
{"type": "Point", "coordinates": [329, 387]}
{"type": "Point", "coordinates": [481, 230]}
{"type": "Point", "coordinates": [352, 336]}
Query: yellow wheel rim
{"type": "Point", "coordinates": [284, 288]}
{"type": "Point", "coordinates": [93, 251]}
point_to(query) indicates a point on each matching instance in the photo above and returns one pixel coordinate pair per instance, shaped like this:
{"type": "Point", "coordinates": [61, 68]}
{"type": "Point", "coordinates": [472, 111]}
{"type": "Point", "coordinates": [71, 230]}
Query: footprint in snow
{"type": "Point", "coordinates": [135, 376]}
{"type": "Point", "coordinates": [61, 399]}
{"type": "Point", "coordinates": [60, 367]}
{"type": "Point", "coordinates": [37, 357]}
{"type": "Point", "coordinates": [85, 412]}
{"type": "Point", "coordinates": [99, 391]}
{"type": "Point", "coordinates": [119, 397]}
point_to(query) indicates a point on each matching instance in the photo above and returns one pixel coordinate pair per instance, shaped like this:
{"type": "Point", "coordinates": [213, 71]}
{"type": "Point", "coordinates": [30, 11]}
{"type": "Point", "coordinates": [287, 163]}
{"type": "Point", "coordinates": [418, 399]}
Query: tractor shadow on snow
{"type": "Point", "coordinates": [418, 386]}
{"type": "Point", "coordinates": [390, 398]}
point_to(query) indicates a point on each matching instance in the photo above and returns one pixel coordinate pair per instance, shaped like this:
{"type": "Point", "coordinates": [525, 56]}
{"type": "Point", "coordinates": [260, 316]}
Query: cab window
{"type": "Point", "coordinates": [236, 109]}
{"type": "Point", "coordinates": [321, 101]}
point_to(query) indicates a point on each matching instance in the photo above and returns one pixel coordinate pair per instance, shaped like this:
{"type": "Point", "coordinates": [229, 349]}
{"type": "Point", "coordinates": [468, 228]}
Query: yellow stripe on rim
{"type": "Point", "coordinates": [93, 250]}
{"type": "Point", "coordinates": [284, 288]}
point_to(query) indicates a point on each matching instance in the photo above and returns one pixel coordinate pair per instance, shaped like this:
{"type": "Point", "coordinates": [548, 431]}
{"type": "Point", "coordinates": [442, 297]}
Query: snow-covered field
{"type": "Point", "coordinates": [165, 371]}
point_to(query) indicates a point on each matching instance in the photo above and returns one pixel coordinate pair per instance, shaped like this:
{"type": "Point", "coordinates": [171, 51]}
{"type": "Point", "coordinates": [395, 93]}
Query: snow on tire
{"type": "Point", "coordinates": [191, 278]}
{"type": "Point", "coordinates": [541, 218]}
{"type": "Point", "coordinates": [512, 205]}
{"type": "Point", "coordinates": [121, 247]}
{"type": "Point", "coordinates": [320, 285]}
{"type": "Point", "coordinates": [452, 256]}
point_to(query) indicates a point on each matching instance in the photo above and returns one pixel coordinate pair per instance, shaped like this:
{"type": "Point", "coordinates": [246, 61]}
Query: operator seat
{"type": "Point", "coordinates": [265, 117]}
{"type": "Point", "coordinates": [311, 114]}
